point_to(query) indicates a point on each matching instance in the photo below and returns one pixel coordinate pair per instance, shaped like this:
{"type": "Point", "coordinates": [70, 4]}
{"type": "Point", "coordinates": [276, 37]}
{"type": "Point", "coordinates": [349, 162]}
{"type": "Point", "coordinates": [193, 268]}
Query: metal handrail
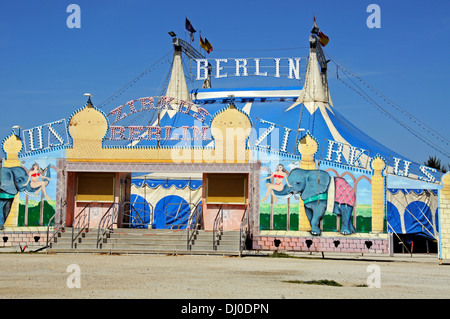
{"type": "Point", "coordinates": [217, 226]}
{"type": "Point", "coordinates": [196, 218]}
{"type": "Point", "coordinates": [77, 220]}
{"type": "Point", "coordinates": [48, 231]}
{"type": "Point", "coordinates": [243, 233]}
{"type": "Point", "coordinates": [183, 222]}
{"type": "Point", "coordinates": [138, 218]}
{"type": "Point", "coordinates": [106, 222]}
{"type": "Point", "coordinates": [55, 230]}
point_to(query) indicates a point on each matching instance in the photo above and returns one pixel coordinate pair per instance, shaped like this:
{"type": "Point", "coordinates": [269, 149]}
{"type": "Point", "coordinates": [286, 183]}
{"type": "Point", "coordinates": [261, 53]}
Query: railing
{"type": "Point", "coordinates": [106, 223]}
{"type": "Point", "coordinates": [243, 230]}
{"type": "Point", "coordinates": [56, 230]}
{"type": "Point", "coordinates": [81, 222]}
{"type": "Point", "coordinates": [195, 220]}
{"type": "Point", "coordinates": [217, 227]}
{"type": "Point", "coordinates": [135, 216]}
{"type": "Point", "coordinates": [178, 222]}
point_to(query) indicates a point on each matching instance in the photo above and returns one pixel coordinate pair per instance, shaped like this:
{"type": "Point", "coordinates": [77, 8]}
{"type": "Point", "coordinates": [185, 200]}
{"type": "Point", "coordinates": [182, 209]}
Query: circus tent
{"type": "Point", "coordinates": [310, 110]}
{"type": "Point", "coordinates": [152, 130]}
{"type": "Point", "coordinates": [281, 117]}
{"type": "Point", "coordinates": [305, 109]}
{"type": "Point", "coordinates": [292, 110]}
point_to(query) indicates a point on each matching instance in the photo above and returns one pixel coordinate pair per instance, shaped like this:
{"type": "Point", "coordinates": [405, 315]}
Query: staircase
{"type": "Point", "coordinates": [148, 241]}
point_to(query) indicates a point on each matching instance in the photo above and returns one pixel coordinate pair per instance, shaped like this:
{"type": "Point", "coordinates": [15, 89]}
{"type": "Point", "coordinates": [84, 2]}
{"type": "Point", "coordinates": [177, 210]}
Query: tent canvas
{"type": "Point", "coordinates": [412, 211]}
{"type": "Point", "coordinates": [164, 202]}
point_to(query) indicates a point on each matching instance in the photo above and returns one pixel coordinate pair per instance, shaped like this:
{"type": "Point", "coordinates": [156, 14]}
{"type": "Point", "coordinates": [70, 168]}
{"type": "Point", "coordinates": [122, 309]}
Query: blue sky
{"type": "Point", "coordinates": [46, 67]}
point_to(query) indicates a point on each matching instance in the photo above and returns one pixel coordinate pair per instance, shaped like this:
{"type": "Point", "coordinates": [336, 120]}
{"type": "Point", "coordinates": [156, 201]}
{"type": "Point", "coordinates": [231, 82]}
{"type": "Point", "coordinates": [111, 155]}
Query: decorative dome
{"type": "Point", "coordinates": [233, 118]}
{"type": "Point", "coordinates": [89, 123]}
{"type": "Point", "coordinates": [308, 145]}
{"type": "Point", "coordinates": [12, 145]}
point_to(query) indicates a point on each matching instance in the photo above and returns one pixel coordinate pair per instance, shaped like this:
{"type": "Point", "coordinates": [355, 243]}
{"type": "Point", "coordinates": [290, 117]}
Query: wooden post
{"type": "Point", "coordinates": [25, 221]}
{"type": "Point", "coordinates": [41, 212]}
{"type": "Point", "coordinates": [288, 215]}
{"type": "Point", "coordinates": [271, 212]}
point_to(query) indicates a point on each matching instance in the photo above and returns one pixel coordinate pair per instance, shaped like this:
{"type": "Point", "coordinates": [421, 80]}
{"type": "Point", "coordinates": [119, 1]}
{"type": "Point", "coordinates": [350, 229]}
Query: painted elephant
{"type": "Point", "coordinates": [13, 180]}
{"type": "Point", "coordinates": [320, 191]}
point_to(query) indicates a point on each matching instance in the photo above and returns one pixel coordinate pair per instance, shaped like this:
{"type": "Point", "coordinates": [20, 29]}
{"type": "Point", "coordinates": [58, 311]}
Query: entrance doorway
{"type": "Point", "coordinates": [169, 196]}
{"type": "Point", "coordinates": [163, 200]}
{"type": "Point", "coordinates": [92, 194]}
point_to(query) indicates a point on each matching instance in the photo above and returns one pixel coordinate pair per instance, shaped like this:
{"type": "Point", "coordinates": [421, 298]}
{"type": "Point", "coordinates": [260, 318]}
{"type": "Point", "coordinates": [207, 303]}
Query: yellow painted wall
{"type": "Point", "coordinates": [230, 130]}
{"type": "Point", "coordinates": [444, 211]}
{"type": "Point", "coordinates": [12, 147]}
{"type": "Point", "coordinates": [378, 166]}
{"type": "Point", "coordinates": [307, 147]}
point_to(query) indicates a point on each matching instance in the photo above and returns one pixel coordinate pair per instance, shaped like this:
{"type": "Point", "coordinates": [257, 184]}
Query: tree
{"type": "Point", "coordinates": [435, 162]}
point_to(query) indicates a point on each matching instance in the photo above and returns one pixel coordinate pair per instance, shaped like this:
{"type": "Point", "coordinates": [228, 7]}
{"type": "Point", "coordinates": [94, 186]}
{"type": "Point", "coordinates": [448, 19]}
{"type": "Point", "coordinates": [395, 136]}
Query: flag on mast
{"type": "Point", "coordinates": [206, 45]}
{"type": "Point", "coordinates": [315, 29]}
{"type": "Point", "coordinates": [323, 39]}
{"type": "Point", "coordinates": [188, 26]}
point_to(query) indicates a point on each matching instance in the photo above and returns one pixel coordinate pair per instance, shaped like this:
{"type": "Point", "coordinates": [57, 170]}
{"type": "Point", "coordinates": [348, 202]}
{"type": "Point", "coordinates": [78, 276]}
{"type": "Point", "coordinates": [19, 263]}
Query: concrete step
{"type": "Point", "coordinates": [148, 241]}
{"type": "Point", "coordinates": [130, 252]}
{"type": "Point", "coordinates": [174, 247]}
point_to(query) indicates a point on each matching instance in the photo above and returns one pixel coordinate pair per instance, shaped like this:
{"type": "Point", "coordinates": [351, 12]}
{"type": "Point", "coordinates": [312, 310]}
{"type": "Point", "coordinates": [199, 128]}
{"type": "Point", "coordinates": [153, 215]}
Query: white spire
{"type": "Point", "coordinates": [177, 87]}
{"type": "Point", "coordinates": [315, 92]}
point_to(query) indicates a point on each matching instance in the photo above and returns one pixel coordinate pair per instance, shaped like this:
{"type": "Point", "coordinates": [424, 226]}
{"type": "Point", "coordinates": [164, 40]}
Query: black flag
{"type": "Point", "coordinates": [190, 28]}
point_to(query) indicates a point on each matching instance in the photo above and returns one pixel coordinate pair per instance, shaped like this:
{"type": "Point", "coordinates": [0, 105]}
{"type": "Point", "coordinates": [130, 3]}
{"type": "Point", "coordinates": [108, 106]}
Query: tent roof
{"type": "Point", "coordinates": [312, 110]}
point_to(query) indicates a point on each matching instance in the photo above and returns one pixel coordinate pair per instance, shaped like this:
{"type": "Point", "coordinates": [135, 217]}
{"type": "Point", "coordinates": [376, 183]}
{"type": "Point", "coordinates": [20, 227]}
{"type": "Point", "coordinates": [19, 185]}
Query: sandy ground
{"type": "Point", "coordinates": [42, 275]}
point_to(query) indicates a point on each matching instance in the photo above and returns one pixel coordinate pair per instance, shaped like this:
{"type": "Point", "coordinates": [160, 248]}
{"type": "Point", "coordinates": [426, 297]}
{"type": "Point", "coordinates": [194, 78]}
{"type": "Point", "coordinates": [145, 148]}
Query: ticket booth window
{"type": "Point", "coordinates": [95, 187]}
{"type": "Point", "coordinates": [226, 189]}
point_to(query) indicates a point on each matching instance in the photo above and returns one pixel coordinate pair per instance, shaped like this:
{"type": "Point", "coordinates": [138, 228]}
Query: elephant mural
{"type": "Point", "coordinates": [320, 192]}
{"type": "Point", "coordinates": [17, 179]}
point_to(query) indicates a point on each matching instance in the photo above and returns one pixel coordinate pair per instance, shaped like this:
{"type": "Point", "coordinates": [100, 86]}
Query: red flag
{"type": "Point", "coordinates": [323, 39]}
{"type": "Point", "coordinates": [206, 45]}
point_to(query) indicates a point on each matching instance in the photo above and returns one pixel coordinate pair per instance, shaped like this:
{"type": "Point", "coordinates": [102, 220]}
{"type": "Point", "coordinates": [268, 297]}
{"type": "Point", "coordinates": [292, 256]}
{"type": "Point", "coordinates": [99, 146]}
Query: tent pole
{"type": "Point", "coordinates": [298, 128]}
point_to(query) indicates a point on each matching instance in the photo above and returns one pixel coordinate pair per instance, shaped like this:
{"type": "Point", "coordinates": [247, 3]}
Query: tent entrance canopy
{"type": "Point", "coordinates": [412, 211]}
{"type": "Point", "coordinates": [163, 200]}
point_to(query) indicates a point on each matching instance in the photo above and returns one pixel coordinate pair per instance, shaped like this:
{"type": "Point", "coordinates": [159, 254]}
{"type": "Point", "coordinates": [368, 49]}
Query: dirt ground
{"type": "Point", "coordinates": [41, 275]}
